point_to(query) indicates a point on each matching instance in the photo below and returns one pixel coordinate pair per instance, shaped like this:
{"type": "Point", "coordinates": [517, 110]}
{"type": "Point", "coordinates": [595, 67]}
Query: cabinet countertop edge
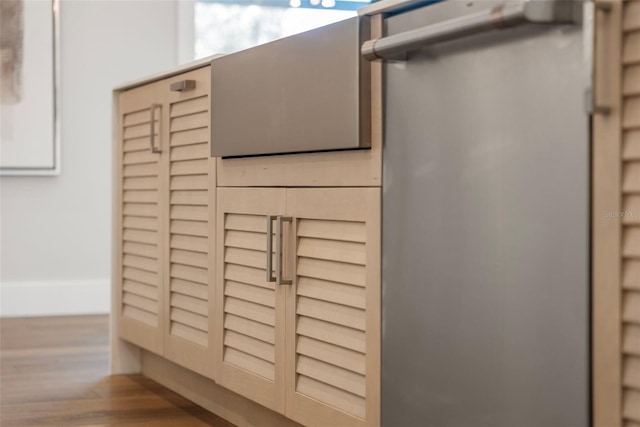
{"type": "Point", "coordinates": [200, 63]}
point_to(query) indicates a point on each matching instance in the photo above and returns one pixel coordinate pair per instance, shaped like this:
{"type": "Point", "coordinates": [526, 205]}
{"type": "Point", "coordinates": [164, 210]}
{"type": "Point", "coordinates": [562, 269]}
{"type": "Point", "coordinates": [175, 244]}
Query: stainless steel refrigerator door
{"type": "Point", "coordinates": [486, 229]}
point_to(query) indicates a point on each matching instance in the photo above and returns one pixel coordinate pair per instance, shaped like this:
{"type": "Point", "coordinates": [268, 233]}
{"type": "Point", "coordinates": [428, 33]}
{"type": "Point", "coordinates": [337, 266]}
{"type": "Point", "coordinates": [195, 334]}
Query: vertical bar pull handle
{"type": "Point", "coordinates": [279, 279]}
{"type": "Point", "coordinates": [270, 219]}
{"type": "Point", "coordinates": [154, 149]}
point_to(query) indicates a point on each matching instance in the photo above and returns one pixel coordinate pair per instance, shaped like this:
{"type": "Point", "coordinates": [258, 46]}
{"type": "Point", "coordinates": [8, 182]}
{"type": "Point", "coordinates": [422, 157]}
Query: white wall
{"type": "Point", "coordinates": [55, 232]}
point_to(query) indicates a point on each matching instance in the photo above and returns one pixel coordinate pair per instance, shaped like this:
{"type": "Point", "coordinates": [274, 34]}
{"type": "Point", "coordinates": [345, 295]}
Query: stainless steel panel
{"type": "Point", "coordinates": [298, 94]}
{"type": "Point", "coordinates": [486, 229]}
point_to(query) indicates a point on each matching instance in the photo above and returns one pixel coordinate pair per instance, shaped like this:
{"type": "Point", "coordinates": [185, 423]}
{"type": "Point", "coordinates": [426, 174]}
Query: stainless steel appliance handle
{"type": "Point", "coordinates": [538, 11]}
{"type": "Point", "coordinates": [270, 219]}
{"type": "Point", "coordinates": [279, 279]}
{"type": "Point", "coordinates": [152, 141]}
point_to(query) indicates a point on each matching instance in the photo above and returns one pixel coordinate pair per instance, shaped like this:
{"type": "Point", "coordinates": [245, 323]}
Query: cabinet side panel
{"type": "Point", "coordinates": [606, 230]}
{"type": "Point", "coordinates": [124, 357]}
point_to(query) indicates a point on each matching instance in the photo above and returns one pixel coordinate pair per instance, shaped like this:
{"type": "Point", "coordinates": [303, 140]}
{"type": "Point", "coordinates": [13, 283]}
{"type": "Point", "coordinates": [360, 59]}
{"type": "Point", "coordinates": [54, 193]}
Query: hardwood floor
{"type": "Point", "coordinates": [55, 372]}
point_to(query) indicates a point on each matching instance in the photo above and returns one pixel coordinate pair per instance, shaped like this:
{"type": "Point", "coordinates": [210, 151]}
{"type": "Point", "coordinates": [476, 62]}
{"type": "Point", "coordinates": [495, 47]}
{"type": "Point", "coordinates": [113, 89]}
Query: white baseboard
{"type": "Point", "coordinates": [54, 298]}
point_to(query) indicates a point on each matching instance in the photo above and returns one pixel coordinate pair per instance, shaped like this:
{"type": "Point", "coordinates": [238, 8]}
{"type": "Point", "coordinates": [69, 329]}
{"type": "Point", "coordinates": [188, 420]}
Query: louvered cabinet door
{"type": "Point", "coordinates": [190, 224]}
{"type": "Point", "coordinates": [249, 308]}
{"type": "Point", "coordinates": [138, 255]}
{"type": "Point", "coordinates": [333, 307]}
{"type": "Point", "coordinates": [631, 219]}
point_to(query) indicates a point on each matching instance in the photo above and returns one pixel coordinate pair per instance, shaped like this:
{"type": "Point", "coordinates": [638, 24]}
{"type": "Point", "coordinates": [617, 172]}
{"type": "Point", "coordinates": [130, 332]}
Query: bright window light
{"type": "Point", "coordinates": [227, 26]}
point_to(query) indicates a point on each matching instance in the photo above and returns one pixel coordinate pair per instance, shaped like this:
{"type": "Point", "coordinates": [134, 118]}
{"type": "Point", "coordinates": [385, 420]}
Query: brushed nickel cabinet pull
{"type": "Point", "coordinates": [152, 141]}
{"type": "Point", "coordinates": [270, 219]}
{"type": "Point", "coordinates": [279, 279]}
{"type": "Point", "coordinates": [183, 85]}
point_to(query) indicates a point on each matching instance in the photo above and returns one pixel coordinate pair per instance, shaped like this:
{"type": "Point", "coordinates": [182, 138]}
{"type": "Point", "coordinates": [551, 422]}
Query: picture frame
{"type": "Point", "coordinates": [29, 93]}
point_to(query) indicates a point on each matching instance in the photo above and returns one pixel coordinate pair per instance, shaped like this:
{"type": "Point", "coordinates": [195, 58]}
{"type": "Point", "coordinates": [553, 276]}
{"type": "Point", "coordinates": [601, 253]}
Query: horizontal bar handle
{"type": "Point", "coordinates": [507, 15]}
{"type": "Point", "coordinates": [183, 85]}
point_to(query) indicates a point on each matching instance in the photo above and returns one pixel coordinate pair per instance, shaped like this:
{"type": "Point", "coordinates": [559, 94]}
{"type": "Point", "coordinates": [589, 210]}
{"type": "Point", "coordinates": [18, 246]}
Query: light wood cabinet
{"type": "Point", "coordinates": [293, 327]}
{"type": "Point", "coordinates": [309, 347]}
{"type": "Point", "coordinates": [333, 307]}
{"type": "Point", "coordinates": [139, 214]}
{"type": "Point", "coordinates": [189, 214]}
{"type": "Point", "coordinates": [166, 211]}
{"type": "Point", "coordinates": [616, 238]}
{"type": "Point", "coordinates": [250, 310]}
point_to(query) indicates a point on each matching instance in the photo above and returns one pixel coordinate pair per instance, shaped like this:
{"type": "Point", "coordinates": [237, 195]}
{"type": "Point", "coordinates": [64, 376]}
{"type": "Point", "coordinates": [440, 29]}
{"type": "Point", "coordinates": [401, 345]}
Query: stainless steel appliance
{"type": "Point", "coordinates": [307, 92]}
{"type": "Point", "coordinates": [486, 215]}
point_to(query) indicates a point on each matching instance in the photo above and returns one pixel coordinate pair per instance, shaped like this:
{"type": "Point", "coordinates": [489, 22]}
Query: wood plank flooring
{"type": "Point", "coordinates": [55, 372]}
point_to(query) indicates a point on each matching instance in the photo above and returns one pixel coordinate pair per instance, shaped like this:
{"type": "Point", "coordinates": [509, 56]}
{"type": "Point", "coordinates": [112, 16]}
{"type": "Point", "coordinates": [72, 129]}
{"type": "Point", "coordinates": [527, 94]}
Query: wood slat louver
{"type": "Point", "coordinates": [331, 319]}
{"type": "Point", "coordinates": [140, 227]}
{"type": "Point", "coordinates": [631, 218]}
{"type": "Point", "coordinates": [188, 220]}
{"type": "Point", "coordinates": [249, 300]}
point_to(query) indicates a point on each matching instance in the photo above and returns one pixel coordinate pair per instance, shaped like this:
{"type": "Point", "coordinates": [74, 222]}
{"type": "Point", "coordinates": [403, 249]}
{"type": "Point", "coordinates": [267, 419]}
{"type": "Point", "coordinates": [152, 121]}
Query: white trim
{"type": "Point", "coordinates": [33, 172]}
{"type": "Point", "coordinates": [54, 298]}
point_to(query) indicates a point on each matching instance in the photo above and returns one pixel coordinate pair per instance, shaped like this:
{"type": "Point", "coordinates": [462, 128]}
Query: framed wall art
{"type": "Point", "coordinates": [29, 113]}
